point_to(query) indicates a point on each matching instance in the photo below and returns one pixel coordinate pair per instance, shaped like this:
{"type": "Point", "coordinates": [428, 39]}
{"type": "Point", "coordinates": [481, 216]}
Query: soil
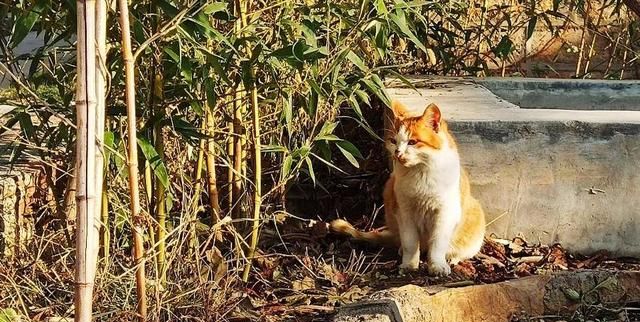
{"type": "Point", "coordinates": [306, 272]}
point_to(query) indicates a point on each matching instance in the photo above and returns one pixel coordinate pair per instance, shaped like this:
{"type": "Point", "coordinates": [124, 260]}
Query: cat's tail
{"type": "Point", "coordinates": [383, 237]}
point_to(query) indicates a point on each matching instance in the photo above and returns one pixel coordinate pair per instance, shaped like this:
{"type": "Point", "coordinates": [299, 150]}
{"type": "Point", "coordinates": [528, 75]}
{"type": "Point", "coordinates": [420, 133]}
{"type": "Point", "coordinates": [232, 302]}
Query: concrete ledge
{"type": "Point", "coordinates": [572, 94]}
{"type": "Point", "coordinates": [557, 294]}
{"type": "Point", "coordinates": [552, 175]}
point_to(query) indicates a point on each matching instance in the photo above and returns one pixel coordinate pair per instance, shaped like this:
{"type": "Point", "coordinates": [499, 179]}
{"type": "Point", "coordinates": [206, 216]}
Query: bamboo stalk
{"type": "Point", "coordinates": [257, 155]}
{"type": "Point", "coordinates": [160, 190]}
{"type": "Point", "coordinates": [593, 39]}
{"type": "Point", "coordinates": [105, 234]}
{"type": "Point", "coordinates": [230, 174]}
{"type": "Point", "coordinates": [101, 90]}
{"type": "Point", "coordinates": [237, 153]}
{"type": "Point", "coordinates": [193, 238]}
{"type": "Point", "coordinates": [583, 38]}
{"type": "Point", "coordinates": [87, 201]}
{"type": "Point", "coordinates": [132, 160]}
{"type": "Point", "coordinates": [625, 53]}
{"type": "Point", "coordinates": [211, 168]}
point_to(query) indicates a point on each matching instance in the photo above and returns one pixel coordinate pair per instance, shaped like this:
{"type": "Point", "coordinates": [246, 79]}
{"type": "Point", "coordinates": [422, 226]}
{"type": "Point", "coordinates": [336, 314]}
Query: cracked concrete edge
{"type": "Point", "coordinates": [384, 309]}
{"type": "Point", "coordinates": [533, 295]}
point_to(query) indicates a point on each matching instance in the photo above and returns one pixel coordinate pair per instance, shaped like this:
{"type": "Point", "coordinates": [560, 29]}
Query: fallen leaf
{"type": "Point", "coordinates": [304, 284]}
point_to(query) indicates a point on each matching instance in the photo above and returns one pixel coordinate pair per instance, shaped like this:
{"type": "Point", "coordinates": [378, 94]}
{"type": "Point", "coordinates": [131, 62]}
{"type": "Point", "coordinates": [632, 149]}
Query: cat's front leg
{"type": "Point", "coordinates": [444, 226]}
{"type": "Point", "coordinates": [410, 244]}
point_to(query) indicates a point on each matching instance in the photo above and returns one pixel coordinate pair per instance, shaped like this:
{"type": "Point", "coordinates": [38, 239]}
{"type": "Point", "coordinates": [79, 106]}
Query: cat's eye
{"type": "Point", "coordinates": [412, 142]}
{"type": "Point", "coordinates": [392, 140]}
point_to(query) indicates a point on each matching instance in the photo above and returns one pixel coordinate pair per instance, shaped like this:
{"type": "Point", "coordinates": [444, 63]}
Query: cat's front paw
{"type": "Point", "coordinates": [409, 267]}
{"type": "Point", "coordinates": [438, 268]}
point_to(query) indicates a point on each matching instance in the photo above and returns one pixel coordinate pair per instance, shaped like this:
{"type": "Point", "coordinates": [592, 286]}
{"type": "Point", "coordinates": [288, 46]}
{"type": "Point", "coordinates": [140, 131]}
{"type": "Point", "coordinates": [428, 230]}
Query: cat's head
{"type": "Point", "coordinates": [416, 140]}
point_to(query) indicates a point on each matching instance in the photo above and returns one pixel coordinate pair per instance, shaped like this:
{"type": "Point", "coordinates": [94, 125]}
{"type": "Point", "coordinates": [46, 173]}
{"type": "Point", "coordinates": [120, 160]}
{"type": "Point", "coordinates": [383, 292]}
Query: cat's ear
{"type": "Point", "coordinates": [432, 116]}
{"type": "Point", "coordinates": [398, 109]}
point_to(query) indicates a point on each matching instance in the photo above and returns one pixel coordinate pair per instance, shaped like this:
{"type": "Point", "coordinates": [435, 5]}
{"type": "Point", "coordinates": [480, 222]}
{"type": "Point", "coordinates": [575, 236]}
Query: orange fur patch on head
{"type": "Point", "coordinates": [398, 109]}
{"type": "Point", "coordinates": [424, 129]}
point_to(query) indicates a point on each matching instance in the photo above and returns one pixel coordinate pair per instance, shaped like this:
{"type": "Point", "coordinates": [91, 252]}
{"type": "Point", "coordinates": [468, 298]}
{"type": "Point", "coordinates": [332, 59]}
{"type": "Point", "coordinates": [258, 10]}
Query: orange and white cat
{"type": "Point", "coordinates": [427, 199]}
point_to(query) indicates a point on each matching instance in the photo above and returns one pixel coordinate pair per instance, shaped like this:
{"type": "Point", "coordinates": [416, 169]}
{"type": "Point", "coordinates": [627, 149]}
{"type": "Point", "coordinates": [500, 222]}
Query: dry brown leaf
{"type": "Point", "coordinates": [306, 283]}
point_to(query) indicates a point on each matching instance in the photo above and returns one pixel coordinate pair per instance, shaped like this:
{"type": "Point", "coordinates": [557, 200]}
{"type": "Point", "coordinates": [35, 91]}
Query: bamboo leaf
{"type": "Point", "coordinates": [348, 146]}
{"type": "Point", "coordinates": [356, 60]}
{"type": "Point", "coordinates": [215, 7]}
{"type": "Point", "coordinates": [274, 148]}
{"type": "Point", "coordinates": [531, 27]}
{"type": "Point", "coordinates": [312, 174]}
{"type": "Point", "coordinates": [286, 167]}
{"type": "Point", "coordinates": [401, 22]}
{"type": "Point", "coordinates": [24, 23]}
{"type": "Point", "coordinates": [109, 143]}
{"type": "Point", "coordinates": [155, 161]}
{"type": "Point", "coordinates": [327, 162]}
{"type": "Point", "coordinates": [348, 155]}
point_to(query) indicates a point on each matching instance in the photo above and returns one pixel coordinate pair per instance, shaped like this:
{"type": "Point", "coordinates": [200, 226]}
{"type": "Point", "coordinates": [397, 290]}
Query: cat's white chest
{"type": "Point", "coordinates": [425, 188]}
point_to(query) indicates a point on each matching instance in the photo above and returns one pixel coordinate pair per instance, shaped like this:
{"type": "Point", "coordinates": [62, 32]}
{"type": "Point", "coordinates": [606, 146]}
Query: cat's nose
{"type": "Point", "coordinates": [398, 154]}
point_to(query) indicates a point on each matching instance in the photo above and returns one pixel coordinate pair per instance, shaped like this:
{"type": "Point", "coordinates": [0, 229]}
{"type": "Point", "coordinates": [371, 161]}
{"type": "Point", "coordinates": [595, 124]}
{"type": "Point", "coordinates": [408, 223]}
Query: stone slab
{"type": "Point", "coordinates": [530, 296]}
{"type": "Point", "coordinates": [551, 175]}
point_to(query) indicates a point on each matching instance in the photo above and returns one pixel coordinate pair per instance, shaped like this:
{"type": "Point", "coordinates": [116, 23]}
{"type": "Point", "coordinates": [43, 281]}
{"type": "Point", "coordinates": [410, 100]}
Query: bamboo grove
{"type": "Point", "coordinates": [214, 110]}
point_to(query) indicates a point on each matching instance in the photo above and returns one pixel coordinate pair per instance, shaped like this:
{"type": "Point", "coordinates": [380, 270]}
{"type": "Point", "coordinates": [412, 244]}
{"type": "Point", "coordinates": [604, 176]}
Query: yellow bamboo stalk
{"type": "Point", "coordinates": [583, 37]}
{"type": "Point", "coordinates": [593, 39]}
{"type": "Point", "coordinates": [160, 190]}
{"type": "Point", "coordinates": [211, 168]}
{"type": "Point", "coordinates": [87, 201]}
{"type": "Point", "coordinates": [132, 160]}
{"type": "Point", "coordinates": [105, 234]}
{"type": "Point", "coordinates": [257, 155]}
{"type": "Point", "coordinates": [237, 153]}
{"type": "Point", "coordinates": [101, 89]}
{"type": "Point", "coordinates": [230, 174]}
{"type": "Point", "coordinates": [193, 238]}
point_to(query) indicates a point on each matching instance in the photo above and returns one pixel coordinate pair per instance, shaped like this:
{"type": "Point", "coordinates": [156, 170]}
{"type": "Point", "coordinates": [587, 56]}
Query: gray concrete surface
{"type": "Point", "coordinates": [573, 94]}
{"type": "Point", "coordinates": [550, 175]}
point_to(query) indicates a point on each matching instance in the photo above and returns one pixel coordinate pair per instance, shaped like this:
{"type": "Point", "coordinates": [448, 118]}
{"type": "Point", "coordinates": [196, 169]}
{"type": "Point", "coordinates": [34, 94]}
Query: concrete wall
{"type": "Point", "coordinates": [564, 176]}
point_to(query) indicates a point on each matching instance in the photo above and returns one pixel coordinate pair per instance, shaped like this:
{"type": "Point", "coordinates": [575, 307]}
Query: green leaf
{"type": "Point", "coordinates": [175, 56]}
{"type": "Point", "coordinates": [26, 125]}
{"type": "Point", "coordinates": [375, 86]}
{"type": "Point", "coordinates": [312, 174]}
{"type": "Point", "coordinates": [327, 128]}
{"type": "Point", "coordinates": [355, 106]}
{"type": "Point", "coordinates": [155, 161]}
{"type": "Point", "coordinates": [309, 33]}
{"type": "Point", "coordinates": [138, 32]}
{"type": "Point", "coordinates": [381, 7]}
{"type": "Point", "coordinates": [168, 8]}
{"type": "Point", "coordinates": [24, 23]}
{"type": "Point", "coordinates": [350, 147]}
{"type": "Point", "coordinates": [9, 315]}
{"type": "Point", "coordinates": [504, 47]}
{"type": "Point", "coordinates": [312, 103]}
{"type": "Point", "coordinates": [109, 143]}
{"type": "Point", "coordinates": [400, 21]}
{"type": "Point", "coordinates": [349, 156]}
{"type": "Point", "coordinates": [356, 60]}
{"type": "Point", "coordinates": [327, 137]}
{"type": "Point", "coordinates": [286, 167]}
{"type": "Point", "coordinates": [298, 49]}
{"type": "Point", "coordinates": [363, 96]}
{"type": "Point", "coordinates": [364, 5]}
{"type": "Point", "coordinates": [327, 162]}
{"type": "Point", "coordinates": [287, 110]}
{"type": "Point", "coordinates": [211, 94]}
{"type": "Point", "coordinates": [531, 27]}
{"type": "Point", "coordinates": [215, 7]}
{"type": "Point", "coordinates": [273, 148]}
